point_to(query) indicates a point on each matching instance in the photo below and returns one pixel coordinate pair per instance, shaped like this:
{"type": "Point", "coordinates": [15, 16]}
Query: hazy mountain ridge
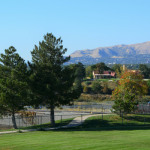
{"type": "Point", "coordinates": [114, 51]}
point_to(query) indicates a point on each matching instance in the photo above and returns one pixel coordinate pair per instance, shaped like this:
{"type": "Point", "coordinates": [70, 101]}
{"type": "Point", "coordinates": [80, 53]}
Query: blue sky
{"type": "Point", "coordinates": [82, 24]}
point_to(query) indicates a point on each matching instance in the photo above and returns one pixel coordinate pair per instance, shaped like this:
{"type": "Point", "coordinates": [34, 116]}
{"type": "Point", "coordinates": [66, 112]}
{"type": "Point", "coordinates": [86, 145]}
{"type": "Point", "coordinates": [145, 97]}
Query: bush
{"type": "Point", "coordinates": [87, 83]}
{"type": "Point", "coordinates": [105, 90]}
{"type": "Point", "coordinates": [96, 87]}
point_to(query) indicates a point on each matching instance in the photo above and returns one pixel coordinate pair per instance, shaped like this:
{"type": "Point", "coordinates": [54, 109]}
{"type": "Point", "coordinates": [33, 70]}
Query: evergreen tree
{"type": "Point", "coordinates": [49, 81]}
{"type": "Point", "coordinates": [13, 93]}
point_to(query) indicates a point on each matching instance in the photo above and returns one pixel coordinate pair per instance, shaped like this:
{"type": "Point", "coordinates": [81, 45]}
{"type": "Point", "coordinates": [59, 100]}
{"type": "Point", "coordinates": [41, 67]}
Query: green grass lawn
{"type": "Point", "coordinates": [92, 135]}
{"type": "Point", "coordinates": [77, 140]}
{"type": "Point", "coordinates": [110, 121]}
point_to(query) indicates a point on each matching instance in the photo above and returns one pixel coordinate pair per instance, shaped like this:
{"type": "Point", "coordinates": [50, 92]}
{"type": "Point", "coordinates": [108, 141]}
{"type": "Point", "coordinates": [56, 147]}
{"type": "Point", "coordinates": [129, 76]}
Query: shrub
{"type": "Point", "coordinates": [87, 83]}
{"type": "Point", "coordinates": [105, 90]}
{"type": "Point", "coordinates": [96, 87]}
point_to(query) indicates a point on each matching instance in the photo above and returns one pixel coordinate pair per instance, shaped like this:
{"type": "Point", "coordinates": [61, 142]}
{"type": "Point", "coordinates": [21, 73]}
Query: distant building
{"type": "Point", "coordinates": [104, 75]}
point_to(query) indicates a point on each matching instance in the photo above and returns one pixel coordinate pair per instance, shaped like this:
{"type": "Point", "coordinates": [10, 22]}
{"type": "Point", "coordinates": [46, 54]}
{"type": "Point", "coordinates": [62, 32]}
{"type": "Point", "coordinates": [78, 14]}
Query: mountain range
{"type": "Point", "coordinates": [117, 51]}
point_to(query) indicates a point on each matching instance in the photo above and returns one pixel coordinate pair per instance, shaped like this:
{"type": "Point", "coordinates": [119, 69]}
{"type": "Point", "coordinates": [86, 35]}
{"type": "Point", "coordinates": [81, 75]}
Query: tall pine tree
{"type": "Point", "coordinates": [49, 81]}
{"type": "Point", "coordinates": [13, 86]}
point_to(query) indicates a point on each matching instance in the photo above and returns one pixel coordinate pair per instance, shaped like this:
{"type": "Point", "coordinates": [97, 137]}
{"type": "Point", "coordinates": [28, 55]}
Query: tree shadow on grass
{"type": "Point", "coordinates": [135, 122]}
{"type": "Point", "coordinates": [48, 125]}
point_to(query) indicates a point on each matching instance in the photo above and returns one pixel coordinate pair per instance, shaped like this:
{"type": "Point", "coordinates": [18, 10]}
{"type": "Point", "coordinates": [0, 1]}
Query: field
{"type": "Point", "coordinates": [90, 136]}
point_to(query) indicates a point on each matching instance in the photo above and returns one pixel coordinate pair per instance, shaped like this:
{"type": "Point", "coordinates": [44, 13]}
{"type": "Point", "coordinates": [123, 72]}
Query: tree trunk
{"type": "Point", "coordinates": [14, 121]}
{"type": "Point", "coordinates": [52, 115]}
{"type": "Point", "coordinates": [120, 113]}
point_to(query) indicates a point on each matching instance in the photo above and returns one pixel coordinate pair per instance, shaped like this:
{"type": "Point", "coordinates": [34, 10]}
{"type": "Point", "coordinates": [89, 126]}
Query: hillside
{"type": "Point", "coordinates": [117, 51]}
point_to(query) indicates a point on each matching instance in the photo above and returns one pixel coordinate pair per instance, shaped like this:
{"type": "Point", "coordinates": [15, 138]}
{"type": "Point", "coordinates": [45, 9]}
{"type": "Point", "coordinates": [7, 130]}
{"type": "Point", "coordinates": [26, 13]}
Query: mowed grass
{"type": "Point", "coordinates": [77, 140]}
{"type": "Point", "coordinates": [115, 121]}
{"type": "Point", "coordinates": [92, 135]}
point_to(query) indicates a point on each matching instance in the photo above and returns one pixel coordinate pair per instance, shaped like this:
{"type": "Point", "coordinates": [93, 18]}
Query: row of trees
{"type": "Point", "coordinates": [45, 83]}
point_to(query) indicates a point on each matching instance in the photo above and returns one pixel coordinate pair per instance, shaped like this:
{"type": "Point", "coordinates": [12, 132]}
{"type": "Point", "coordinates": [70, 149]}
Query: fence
{"type": "Point", "coordinates": [36, 121]}
{"type": "Point", "coordinates": [143, 108]}
{"type": "Point", "coordinates": [86, 107]}
{"type": "Point", "coordinates": [140, 117]}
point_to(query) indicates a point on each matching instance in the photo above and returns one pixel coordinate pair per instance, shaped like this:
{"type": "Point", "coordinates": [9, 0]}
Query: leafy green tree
{"type": "Point", "coordinates": [49, 81]}
{"type": "Point", "coordinates": [118, 106]}
{"type": "Point", "coordinates": [13, 86]}
{"type": "Point", "coordinates": [88, 71]}
{"type": "Point", "coordinates": [100, 67]}
{"type": "Point", "coordinates": [148, 85]}
{"type": "Point", "coordinates": [79, 73]}
{"type": "Point", "coordinates": [96, 87]}
{"type": "Point", "coordinates": [77, 85]}
{"type": "Point", "coordinates": [130, 86]}
{"type": "Point", "coordinates": [91, 76]}
{"type": "Point", "coordinates": [79, 70]}
{"type": "Point", "coordinates": [117, 67]}
{"type": "Point", "coordinates": [144, 70]}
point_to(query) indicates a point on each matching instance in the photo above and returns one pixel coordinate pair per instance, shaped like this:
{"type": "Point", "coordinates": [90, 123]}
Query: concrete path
{"type": "Point", "coordinates": [75, 122]}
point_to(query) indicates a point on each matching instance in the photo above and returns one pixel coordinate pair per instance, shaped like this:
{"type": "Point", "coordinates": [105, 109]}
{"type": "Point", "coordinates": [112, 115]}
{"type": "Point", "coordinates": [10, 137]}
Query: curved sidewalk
{"type": "Point", "coordinates": [75, 122]}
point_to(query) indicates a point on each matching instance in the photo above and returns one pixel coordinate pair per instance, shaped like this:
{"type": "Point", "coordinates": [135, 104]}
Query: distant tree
{"type": "Point", "coordinates": [100, 67]}
{"type": "Point", "coordinates": [129, 87]}
{"type": "Point", "coordinates": [79, 70]}
{"type": "Point", "coordinates": [118, 106]}
{"type": "Point", "coordinates": [96, 86]}
{"type": "Point", "coordinates": [117, 68]}
{"type": "Point", "coordinates": [49, 81]}
{"type": "Point", "coordinates": [91, 76]}
{"type": "Point", "coordinates": [13, 85]}
{"type": "Point", "coordinates": [144, 70]}
{"type": "Point", "coordinates": [88, 71]}
{"type": "Point", "coordinates": [148, 83]}
{"type": "Point", "coordinates": [79, 73]}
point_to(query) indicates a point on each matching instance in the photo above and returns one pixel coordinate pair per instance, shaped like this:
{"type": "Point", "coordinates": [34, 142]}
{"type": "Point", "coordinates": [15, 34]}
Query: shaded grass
{"type": "Point", "coordinates": [115, 121]}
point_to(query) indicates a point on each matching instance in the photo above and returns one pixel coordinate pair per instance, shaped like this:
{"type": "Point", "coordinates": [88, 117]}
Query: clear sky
{"type": "Point", "coordinates": [82, 24]}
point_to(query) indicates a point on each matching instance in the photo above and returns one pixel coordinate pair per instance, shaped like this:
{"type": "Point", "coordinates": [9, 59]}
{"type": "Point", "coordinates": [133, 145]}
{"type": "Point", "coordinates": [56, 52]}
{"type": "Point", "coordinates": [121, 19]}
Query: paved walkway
{"type": "Point", "coordinates": [75, 122]}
